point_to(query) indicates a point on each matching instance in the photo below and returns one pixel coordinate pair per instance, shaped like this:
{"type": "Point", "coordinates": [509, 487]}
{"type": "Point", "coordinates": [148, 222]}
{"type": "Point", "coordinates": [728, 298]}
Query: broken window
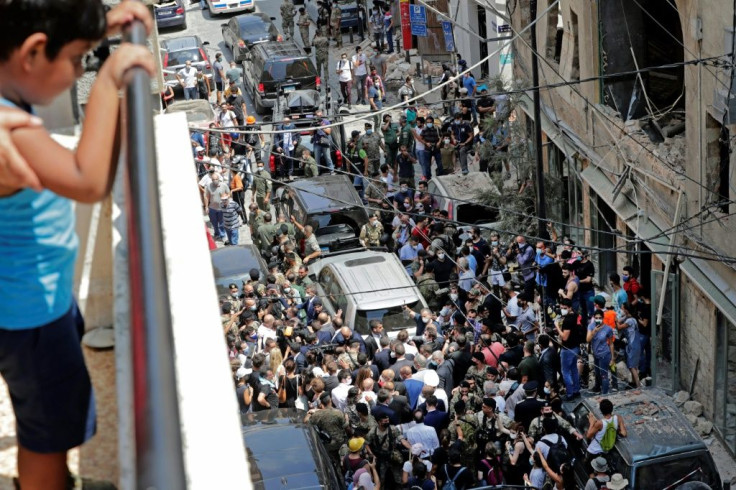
{"type": "Point", "coordinates": [554, 33]}
{"type": "Point", "coordinates": [636, 35]}
{"type": "Point", "coordinates": [570, 49]}
{"type": "Point", "coordinates": [717, 163]}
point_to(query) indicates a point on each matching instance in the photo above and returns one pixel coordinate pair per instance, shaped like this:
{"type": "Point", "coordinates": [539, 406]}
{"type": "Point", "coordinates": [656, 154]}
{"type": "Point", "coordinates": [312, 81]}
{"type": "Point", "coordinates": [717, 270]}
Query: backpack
{"type": "Point", "coordinates": [450, 483]}
{"type": "Point", "coordinates": [558, 454]}
{"type": "Point", "coordinates": [493, 475]}
{"type": "Point", "coordinates": [609, 436]}
{"type": "Point", "coordinates": [349, 472]}
{"type": "Point", "coordinates": [599, 485]}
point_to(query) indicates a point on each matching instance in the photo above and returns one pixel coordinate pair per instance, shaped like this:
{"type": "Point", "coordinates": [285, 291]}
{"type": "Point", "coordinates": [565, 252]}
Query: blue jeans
{"type": "Point", "coordinates": [645, 361]}
{"type": "Point", "coordinates": [390, 40]}
{"type": "Point", "coordinates": [424, 161]}
{"type": "Point", "coordinates": [602, 364]}
{"type": "Point", "coordinates": [323, 151]}
{"type": "Point", "coordinates": [360, 88]}
{"type": "Point", "coordinates": [190, 93]}
{"type": "Point", "coordinates": [437, 161]}
{"type": "Point", "coordinates": [233, 236]}
{"type": "Point", "coordinates": [569, 362]}
{"type": "Point", "coordinates": [586, 305]}
{"type": "Point", "coordinates": [218, 226]}
{"type": "Point", "coordinates": [359, 185]}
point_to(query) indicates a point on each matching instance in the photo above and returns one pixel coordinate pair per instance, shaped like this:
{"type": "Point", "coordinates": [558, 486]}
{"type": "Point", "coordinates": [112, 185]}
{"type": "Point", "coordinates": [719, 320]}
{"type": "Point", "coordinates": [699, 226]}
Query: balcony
{"type": "Point", "coordinates": [167, 415]}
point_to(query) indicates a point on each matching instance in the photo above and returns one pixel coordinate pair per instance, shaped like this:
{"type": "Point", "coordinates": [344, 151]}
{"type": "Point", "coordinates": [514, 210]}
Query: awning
{"type": "Point", "coordinates": [603, 187]}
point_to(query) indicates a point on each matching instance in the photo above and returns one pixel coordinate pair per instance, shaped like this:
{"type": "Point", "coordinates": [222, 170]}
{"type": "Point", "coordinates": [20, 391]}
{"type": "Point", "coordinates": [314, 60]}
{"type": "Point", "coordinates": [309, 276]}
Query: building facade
{"type": "Point", "coordinates": [641, 137]}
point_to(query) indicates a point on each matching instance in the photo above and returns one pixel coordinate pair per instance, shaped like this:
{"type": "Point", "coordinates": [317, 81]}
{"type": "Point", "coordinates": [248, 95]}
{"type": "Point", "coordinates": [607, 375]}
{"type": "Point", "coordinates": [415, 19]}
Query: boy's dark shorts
{"type": "Point", "coordinates": [219, 86]}
{"type": "Point", "coordinates": [49, 384]}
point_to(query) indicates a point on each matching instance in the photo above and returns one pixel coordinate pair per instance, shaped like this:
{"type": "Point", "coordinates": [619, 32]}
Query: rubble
{"type": "Point", "coordinates": [681, 397]}
{"type": "Point", "coordinates": [692, 419]}
{"type": "Point", "coordinates": [703, 427]}
{"type": "Point", "coordinates": [692, 407]}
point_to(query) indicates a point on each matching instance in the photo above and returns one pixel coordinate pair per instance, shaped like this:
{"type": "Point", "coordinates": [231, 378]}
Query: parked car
{"type": "Point", "coordinates": [275, 66]}
{"type": "Point", "coordinates": [352, 13]}
{"type": "Point", "coordinates": [170, 13]}
{"type": "Point", "coordinates": [284, 452]}
{"type": "Point", "coordinates": [177, 51]}
{"type": "Point", "coordinates": [367, 285]}
{"type": "Point", "coordinates": [329, 203]}
{"type": "Point", "coordinates": [241, 33]}
{"type": "Point", "coordinates": [199, 112]}
{"type": "Point", "coordinates": [230, 6]}
{"type": "Point", "coordinates": [453, 193]}
{"type": "Point", "coordinates": [661, 449]}
{"type": "Point", "coordinates": [233, 265]}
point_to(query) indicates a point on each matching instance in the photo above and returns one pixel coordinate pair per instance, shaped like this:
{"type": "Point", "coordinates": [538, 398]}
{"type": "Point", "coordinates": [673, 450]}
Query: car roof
{"type": "Point", "coordinates": [239, 259]}
{"type": "Point", "coordinates": [463, 186]}
{"type": "Point", "coordinates": [654, 425]}
{"type": "Point", "coordinates": [380, 274]}
{"type": "Point", "coordinates": [180, 43]}
{"type": "Point", "coordinates": [282, 452]}
{"type": "Point", "coordinates": [254, 18]}
{"type": "Point", "coordinates": [326, 192]}
{"type": "Point", "coordinates": [281, 49]}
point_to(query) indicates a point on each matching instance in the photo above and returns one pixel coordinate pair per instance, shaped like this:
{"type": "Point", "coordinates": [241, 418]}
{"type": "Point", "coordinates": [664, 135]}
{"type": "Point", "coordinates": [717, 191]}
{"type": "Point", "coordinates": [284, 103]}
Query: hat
{"type": "Point", "coordinates": [356, 444]}
{"type": "Point", "coordinates": [431, 378]}
{"type": "Point", "coordinates": [368, 125]}
{"type": "Point", "coordinates": [250, 120]}
{"type": "Point", "coordinates": [198, 149]}
{"type": "Point", "coordinates": [600, 465]}
{"type": "Point", "coordinates": [418, 449]}
{"type": "Point", "coordinates": [463, 90]}
{"type": "Point", "coordinates": [479, 357]}
{"type": "Point", "coordinates": [617, 482]}
{"type": "Point", "coordinates": [599, 300]}
{"type": "Point", "coordinates": [482, 88]}
{"type": "Point", "coordinates": [530, 386]}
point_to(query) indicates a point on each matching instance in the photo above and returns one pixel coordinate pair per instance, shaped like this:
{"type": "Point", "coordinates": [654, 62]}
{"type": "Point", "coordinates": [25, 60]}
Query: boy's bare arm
{"type": "Point", "coordinates": [14, 170]}
{"type": "Point", "coordinates": [86, 175]}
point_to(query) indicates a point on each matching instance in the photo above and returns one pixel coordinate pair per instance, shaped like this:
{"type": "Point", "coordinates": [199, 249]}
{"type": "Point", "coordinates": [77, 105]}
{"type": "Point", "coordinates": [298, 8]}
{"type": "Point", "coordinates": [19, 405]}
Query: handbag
{"type": "Point", "coordinates": [282, 390]}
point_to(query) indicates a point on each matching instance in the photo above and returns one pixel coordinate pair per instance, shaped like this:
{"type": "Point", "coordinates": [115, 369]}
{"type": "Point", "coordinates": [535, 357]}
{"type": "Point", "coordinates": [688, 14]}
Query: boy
{"type": "Point", "coordinates": [42, 43]}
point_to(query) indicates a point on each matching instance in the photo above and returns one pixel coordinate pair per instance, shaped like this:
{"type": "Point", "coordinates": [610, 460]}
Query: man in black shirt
{"type": "Point", "coordinates": [585, 273]}
{"type": "Point", "coordinates": [443, 267]}
{"type": "Point", "coordinates": [530, 408]}
{"type": "Point", "coordinates": [645, 331]}
{"type": "Point", "coordinates": [463, 136]}
{"type": "Point", "coordinates": [485, 104]}
{"type": "Point", "coordinates": [431, 139]}
{"type": "Point", "coordinates": [237, 105]}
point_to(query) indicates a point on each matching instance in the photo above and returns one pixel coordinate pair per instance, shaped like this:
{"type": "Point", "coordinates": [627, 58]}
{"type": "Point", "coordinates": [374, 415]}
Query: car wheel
{"type": "Point", "coordinates": [260, 109]}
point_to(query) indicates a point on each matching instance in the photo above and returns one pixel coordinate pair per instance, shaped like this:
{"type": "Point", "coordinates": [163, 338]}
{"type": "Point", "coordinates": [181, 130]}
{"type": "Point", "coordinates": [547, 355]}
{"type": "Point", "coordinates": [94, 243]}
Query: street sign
{"type": "Point", "coordinates": [419, 30]}
{"type": "Point", "coordinates": [449, 39]}
{"type": "Point", "coordinates": [503, 28]}
{"type": "Point", "coordinates": [418, 14]}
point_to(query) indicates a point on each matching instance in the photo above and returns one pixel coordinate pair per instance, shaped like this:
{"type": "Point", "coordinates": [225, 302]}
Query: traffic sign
{"type": "Point", "coordinates": [419, 30]}
{"type": "Point", "coordinates": [449, 38]}
{"type": "Point", "coordinates": [418, 14]}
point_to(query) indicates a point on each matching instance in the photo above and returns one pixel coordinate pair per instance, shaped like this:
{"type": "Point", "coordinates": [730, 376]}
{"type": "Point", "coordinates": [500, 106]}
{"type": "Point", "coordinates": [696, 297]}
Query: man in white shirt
{"type": "Point", "coordinates": [422, 434]}
{"type": "Point", "coordinates": [360, 70]}
{"type": "Point", "coordinates": [340, 393]}
{"type": "Point", "coordinates": [187, 77]}
{"type": "Point", "coordinates": [345, 77]}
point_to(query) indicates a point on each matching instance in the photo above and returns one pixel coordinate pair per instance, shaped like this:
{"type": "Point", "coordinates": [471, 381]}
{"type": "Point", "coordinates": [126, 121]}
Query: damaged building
{"type": "Point", "coordinates": [642, 143]}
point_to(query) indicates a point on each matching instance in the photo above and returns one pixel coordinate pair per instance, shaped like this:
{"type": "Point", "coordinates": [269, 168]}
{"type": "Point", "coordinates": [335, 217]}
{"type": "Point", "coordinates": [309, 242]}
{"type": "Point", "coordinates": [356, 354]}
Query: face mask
{"type": "Point", "coordinates": [564, 311]}
{"type": "Point", "coordinates": [512, 435]}
{"type": "Point", "coordinates": [495, 244]}
{"type": "Point", "coordinates": [426, 319]}
{"type": "Point", "coordinates": [403, 225]}
{"type": "Point", "coordinates": [539, 251]}
{"type": "Point", "coordinates": [429, 125]}
{"type": "Point", "coordinates": [444, 311]}
{"type": "Point", "coordinates": [375, 223]}
{"type": "Point", "coordinates": [598, 321]}
{"type": "Point", "coordinates": [404, 188]}
{"type": "Point", "coordinates": [287, 290]}
{"type": "Point", "coordinates": [368, 131]}
{"type": "Point", "coordinates": [440, 256]}
{"type": "Point", "coordinates": [547, 391]}
{"type": "Point", "coordinates": [447, 141]}
{"type": "Point", "coordinates": [344, 58]}
{"type": "Point", "coordinates": [349, 381]}
{"type": "Point", "coordinates": [260, 169]}
{"type": "Point", "coordinates": [253, 308]}
{"type": "Point", "coordinates": [453, 296]}
{"type": "Point", "coordinates": [407, 205]}
{"type": "Point", "coordinates": [625, 278]}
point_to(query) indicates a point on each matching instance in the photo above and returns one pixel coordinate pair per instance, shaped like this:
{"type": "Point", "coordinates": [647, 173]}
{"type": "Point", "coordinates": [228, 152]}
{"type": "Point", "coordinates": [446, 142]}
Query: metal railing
{"type": "Point", "coordinates": [158, 441]}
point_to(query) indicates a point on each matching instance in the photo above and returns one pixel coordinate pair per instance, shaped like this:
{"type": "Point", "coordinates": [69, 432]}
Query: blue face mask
{"type": "Point", "coordinates": [625, 278]}
{"type": "Point", "coordinates": [429, 125]}
{"type": "Point", "coordinates": [368, 131]}
{"type": "Point", "coordinates": [539, 251]}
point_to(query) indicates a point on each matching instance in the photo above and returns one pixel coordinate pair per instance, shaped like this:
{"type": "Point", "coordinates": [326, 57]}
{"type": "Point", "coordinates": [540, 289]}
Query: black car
{"type": "Point", "coordinates": [170, 13]}
{"type": "Point", "coordinates": [233, 265]}
{"type": "Point", "coordinates": [329, 203]}
{"type": "Point", "coordinates": [274, 66]}
{"type": "Point", "coordinates": [352, 13]}
{"type": "Point", "coordinates": [284, 452]}
{"type": "Point", "coordinates": [177, 51]}
{"type": "Point", "coordinates": [241, 33]}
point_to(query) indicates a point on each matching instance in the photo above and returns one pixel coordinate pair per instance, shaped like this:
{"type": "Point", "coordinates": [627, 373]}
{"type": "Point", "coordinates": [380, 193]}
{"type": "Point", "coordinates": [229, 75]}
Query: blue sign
{"type": "Point", "coordinates": [449, 39]}
{"type": "Point", "coordinates": [418, 14]}
{"type": "Point", "coordinates": [419, 30]}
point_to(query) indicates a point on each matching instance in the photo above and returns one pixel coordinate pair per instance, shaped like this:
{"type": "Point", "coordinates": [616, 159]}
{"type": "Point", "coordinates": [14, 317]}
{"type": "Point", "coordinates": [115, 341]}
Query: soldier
{"type": "Point", "coordinates": [321, 48]}
{"type": "Point", "coordinates": [335, 19]}
{"type": "Point", "coordinates": [536, 430]}
{"type": "Point", "coordinates": [262, 187]}
{"type": "Point", "coordinates": [370, 234]}
{"type": "Point", "coordinates": [464, 426]}
{"type": "Point", "coordinates": [304, 22]}
{"type": "Point", "coordinates": [428, 286]}
{"type": "Point", "coordinates": [478, 369]}
{"type": "Point", "coordinates": [310, 165]}
{"type": "Point", "coordinates": [323, 15]}
{"type": "Point", "coordinates": [372, 144]}
{"type": "Point", "coordinates": [472, 401]}
{"type": "Point", "coordinates": [288, 12]}
{"type": "Point", "coordinates": [384, 441]}
{"type": "Point", "coordinates": [333, 422]}
{"type": "Point", "coordinates": [255, 220]}
{"type": "Point", "coordinates": [266, 232]}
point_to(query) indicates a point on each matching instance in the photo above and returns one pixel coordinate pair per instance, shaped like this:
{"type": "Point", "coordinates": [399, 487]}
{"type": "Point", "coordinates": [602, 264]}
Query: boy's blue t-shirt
{"type": "Point", "coordinates": [38, 249]}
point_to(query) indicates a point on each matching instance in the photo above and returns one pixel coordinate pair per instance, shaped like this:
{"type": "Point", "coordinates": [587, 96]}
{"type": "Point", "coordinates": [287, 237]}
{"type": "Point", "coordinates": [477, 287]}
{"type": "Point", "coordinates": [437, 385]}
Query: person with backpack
{"type": "Point", "coordinates": [564, 478]}
{"type": "Point", "coordinates": [453, 475]}
{"type": "Point", "coordinates": [354, 460]}
{"type": "Point", "coordinates": [385, 442]}
{"type": "Point", "coordinates": [419, 456]}
{"type": "Point", "coordinates": [552, 445]}
{"type": "Point", "coordinates": [600, 478]}
{"type": "Point", "coordinates": [517, 455]}
{"type": "Point", "coordinates": [422, 479]}
{"type": "Point", "coordinates": [489, 467]}
{"type": "Point", "coordinates": [603, 433]}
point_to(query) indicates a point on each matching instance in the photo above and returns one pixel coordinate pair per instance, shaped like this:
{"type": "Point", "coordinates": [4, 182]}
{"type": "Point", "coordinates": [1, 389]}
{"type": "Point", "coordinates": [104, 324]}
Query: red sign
{"type": "Point", "coordinates": [405, 24]}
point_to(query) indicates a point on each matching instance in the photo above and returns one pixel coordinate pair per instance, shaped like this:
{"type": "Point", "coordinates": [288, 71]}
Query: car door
{"type": "Point", "coordinates": [580, 414]}
{"type": "Point", "coordinates": [229, 33]}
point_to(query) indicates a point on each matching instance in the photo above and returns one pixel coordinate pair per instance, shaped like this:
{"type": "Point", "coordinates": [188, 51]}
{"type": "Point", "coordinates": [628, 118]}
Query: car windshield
{"type": "Point", "coordinates": [330, 219]}
{"type": "Point", "coordinates": [473, 213]}
{"type": "Point", "coordinates": [392, 318]}
{"type": "Point", "coordinates": [290, 68]}
{"type": "Point", "coordinates": [670, 474]}
{"type": "Point", "coordinates": [181, 57]}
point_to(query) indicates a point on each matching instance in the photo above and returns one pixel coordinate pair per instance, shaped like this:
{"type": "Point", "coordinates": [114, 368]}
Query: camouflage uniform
{"type": "Point", "coordinates": [266, 232]}
{"type": "Point", "coordinates": [370, 236]}
{"type": "Point", "coordinates": [478, 374]}
{"type": "Point", "coordinates": [255, 220]}
{"type": "Point", "coordinates": [371, 143]}
{"type": "Point", "coordinates": [474, 402]}
{"type": "Point", "coordinates": [262, 187]}
{"type": "Point", "coordinates": [310, 167]}
{"type": "Point", "coordinates": [333, 422]}
{"type": "Point", "coordinates": [335, 18]}
{"type": "Point", "coordinates": [536, 431]}
{"type": "Point", "coordinates": [381, 447]}
{"type": "Point", "coordinates": [469, 425]}
{"type": "Point", "coordinates": [288, 12]}
{"type": "Point", "coordinates": [321, 47]}
{"type": "Point", "coordinates": [428, 287]}
{"type": "Point", "coordinates": [303, 23]}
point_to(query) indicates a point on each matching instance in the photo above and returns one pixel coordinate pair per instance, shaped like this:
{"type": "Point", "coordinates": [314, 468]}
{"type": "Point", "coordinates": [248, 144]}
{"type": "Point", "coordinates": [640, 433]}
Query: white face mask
{"type": "Point", "coordinates": [547, 391]}
{"type": "Point", "coordinates": [453, 296]}
{"type": "Point", "coordinates": [440, 256]}
{"type": "Point", "coordinates": [564, 311]}
{"type": "Point", "coordinates": [426, 319]}
{"type": "Point", "coordinates": [375, 223]}
{"type": "Point", "coordinates": [512, 435]}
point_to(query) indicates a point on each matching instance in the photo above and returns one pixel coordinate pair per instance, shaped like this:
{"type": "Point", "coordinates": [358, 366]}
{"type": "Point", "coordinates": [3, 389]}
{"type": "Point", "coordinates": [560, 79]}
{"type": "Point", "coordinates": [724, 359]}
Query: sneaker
{"type": "Point", "coordinates": [595, 391]}
{"type": "Point", "coordinates": [465, 172]}
{"type": "Point", "coordinates": [507, 176]}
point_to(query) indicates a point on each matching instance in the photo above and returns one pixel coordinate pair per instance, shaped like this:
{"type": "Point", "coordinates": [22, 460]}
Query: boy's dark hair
{"type": "Point", "coordinates": [63, 21]}
{"type": "Point", "coordinates": [606, 406]}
